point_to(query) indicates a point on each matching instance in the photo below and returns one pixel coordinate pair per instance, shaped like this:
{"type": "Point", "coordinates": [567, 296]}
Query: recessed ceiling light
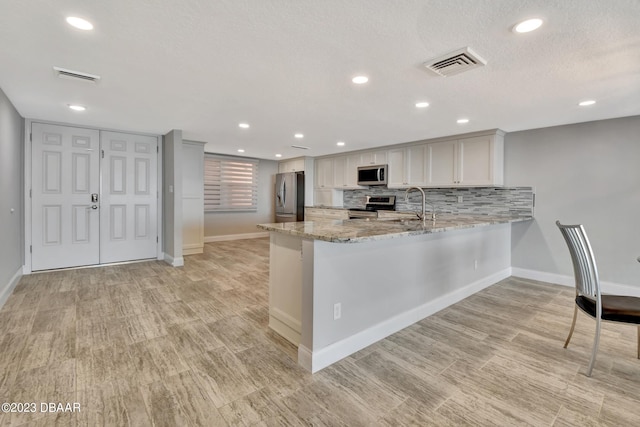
{"type": "Point", "coordinates": [360, 79]}
{"type": "Point", "coordinates": [587, 103]}
{"type": "Point", "coordinates": [422, 104]}
{"type": "Point", "coordinates": [299, 135]}
{"type": "Point", "coordinates": [244, 125]}
{"type": "Point", "coordinates": [340, 144]}
{"type": "Point", "coordinates": [240, 150]}
{"type": "Point", "coordinates": [79, 23]}
{"type": "Point", "coordinates": [77, 107]}
{"type": "Point", "coordinates": [528, 25]}
{"type": "Point", "coordinates": [462, 121]}
{"type": "Point", "coordinates": [278, 155]}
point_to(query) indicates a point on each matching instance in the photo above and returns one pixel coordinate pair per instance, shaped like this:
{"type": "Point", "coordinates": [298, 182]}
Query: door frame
{"type": "Point", "coordinates": [28, 152]}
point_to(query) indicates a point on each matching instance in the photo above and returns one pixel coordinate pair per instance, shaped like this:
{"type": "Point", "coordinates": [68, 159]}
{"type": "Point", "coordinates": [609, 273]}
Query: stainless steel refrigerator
{"type": "Point", "coordinates": [290, 197]}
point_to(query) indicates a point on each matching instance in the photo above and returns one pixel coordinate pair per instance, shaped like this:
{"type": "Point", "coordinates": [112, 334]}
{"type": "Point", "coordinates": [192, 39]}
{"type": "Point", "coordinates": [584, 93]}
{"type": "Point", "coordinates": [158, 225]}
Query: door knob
{"type": "Point", "coordinates": [93, 207]}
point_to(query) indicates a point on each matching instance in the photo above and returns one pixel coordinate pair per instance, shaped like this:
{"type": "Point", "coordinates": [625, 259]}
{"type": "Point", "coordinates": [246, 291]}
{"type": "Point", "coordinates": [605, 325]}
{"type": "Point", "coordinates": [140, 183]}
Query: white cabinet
{"type": "Point", "coordinates": [325, 173]}
{"type": "Point", "coordinates": [345, 171]}
{"type": "Point", "coordinates": [481, 163]}
{"type": "Point", "coordinates": [339, 171]}
{"type": "Point", "coordinates": [442, 165]}
{"type": "Point", "coordinates": [408, 166]}
{"type": "Point", "coordinates": [291, 165]}
{"type": "Point", "coordinates": [192, 197]}
{"type": "Point", "coordinates": [374, 157]}
{"type": "Point", "coordinates": [466, 162]}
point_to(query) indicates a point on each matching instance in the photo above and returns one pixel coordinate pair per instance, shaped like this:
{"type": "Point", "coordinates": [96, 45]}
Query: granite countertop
{"type": "Point", "coordinates": [361, 230]}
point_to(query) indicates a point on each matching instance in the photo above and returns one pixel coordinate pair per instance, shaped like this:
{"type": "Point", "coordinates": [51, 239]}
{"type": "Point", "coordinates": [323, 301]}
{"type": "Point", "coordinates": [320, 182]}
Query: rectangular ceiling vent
{"type": "Point", "coordinates": [300, 147]}
{"type": "Point", "coordinates": [76, 75]}
{"type": "Point", "coordinates": [455, 62]}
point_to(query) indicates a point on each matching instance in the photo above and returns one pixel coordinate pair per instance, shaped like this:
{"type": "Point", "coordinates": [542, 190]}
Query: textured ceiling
{"type": "Point", "coordinates": [285, 66]}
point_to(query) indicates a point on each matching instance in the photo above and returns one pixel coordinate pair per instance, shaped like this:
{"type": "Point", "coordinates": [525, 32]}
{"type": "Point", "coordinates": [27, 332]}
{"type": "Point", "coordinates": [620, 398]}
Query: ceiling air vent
{"type": "Point", "coordinates": [300, 147]}
{"type": "Point", "coordinates": [76, 75]}
{"type": "Point", "coordinates": [455, 62]}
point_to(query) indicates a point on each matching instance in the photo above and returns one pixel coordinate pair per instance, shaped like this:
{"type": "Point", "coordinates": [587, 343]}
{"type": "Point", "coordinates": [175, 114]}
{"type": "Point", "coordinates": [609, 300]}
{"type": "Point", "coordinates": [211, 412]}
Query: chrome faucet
{"type": "Point", "coordinates": [424, 203]}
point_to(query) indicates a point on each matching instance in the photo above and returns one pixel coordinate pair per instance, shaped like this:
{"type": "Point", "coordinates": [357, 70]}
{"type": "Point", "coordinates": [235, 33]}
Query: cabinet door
{"type": "Point", "coordinates": [339, 171]}
{"type": "Point", "coordinates": [293, 165]}
{"type": "Point", "coordinates": [377, 157]}
{"type": "Point", "coordinates": [442, 166]}
{"type": "Point", "coordinates": [351, 173]}
{"type": "Point", "coordinates": [475, 158]}
{"type": "Point", "coordinates": [324, 173]}
{"type": "Point", "coordinates": [397, 175]}
{"type": "Point", "coordinates": [416, 165]}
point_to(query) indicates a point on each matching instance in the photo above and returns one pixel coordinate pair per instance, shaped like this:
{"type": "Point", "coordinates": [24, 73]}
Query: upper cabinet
{"type": "Point", "coordinates": [345, 171]}
{"type": "Point", "coordinates": [291, 165]}
{"type": "Point", "coordinates": [374, 157]}
{"type": "Point", "coordinates": [325, 173]}
{"type": "Point", "coordinates": [445, 162]}
{"type": "Point", "coordinates": [471, 161]}
{"type": "Point", "coordinates": [408, 166]}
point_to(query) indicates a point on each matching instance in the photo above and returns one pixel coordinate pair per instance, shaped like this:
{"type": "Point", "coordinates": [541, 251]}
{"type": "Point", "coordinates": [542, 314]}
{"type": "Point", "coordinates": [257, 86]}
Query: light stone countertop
{"type": "Point", "coordinates": [361, 230]}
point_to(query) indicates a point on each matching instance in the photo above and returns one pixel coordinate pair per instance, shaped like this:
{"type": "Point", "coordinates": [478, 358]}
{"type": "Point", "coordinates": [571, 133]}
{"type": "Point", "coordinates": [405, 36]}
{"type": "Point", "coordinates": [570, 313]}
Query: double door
{"type": "Point", "coordinates": [94, 197]}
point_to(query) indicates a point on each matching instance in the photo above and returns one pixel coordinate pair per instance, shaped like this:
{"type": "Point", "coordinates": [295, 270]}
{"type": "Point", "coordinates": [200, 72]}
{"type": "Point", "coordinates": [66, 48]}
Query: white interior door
{"type": "Point", "coordinates": [128, 217]}
{"type": "Point", "coordinates": [65, 175]}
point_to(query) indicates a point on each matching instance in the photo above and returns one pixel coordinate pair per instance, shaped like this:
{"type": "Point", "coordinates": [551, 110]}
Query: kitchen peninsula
{"type": "Point", "coordinates": [337, 286]}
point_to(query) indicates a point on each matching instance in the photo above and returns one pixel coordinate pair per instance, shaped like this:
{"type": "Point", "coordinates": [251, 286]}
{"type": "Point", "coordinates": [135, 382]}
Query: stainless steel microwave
{"type": "Point", "coordinates": [372, 175]}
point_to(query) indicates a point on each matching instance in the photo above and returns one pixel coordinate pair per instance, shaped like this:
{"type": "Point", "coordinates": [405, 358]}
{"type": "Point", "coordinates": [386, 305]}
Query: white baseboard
{"type": "Point", "coordinates": [562, 279]}
{"type": "Point", "coordinates": [9, 287]}
{"type": "Point", "coordinates": [242, 236]}
{"type": "Point", "coordinates": [174, 262]}
{"type": "Point", "coordinates": [317, 360]}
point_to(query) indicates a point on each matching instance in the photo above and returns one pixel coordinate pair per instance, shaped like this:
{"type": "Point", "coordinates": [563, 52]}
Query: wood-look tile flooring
{"type": "Point", "coordinates": [146, 344]}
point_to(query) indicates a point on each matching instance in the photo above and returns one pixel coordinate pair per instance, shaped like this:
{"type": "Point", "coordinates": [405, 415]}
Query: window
{"type": "Point", "coordinates": [230, 184]}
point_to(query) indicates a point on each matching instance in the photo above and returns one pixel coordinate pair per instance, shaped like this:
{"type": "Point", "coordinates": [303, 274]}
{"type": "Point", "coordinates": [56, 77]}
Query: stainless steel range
{"type": "Point", "coordinates": [372, 206]}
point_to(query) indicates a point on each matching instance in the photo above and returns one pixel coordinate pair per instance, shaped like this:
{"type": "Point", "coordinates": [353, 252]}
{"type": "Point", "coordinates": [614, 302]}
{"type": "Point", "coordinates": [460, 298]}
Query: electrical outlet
{"type": "Point", "coordinates": [337, 311]}
{"type": "Point", "coordinates": [475, 264]}
{"type": "Point", "coordinates": [459, 199]}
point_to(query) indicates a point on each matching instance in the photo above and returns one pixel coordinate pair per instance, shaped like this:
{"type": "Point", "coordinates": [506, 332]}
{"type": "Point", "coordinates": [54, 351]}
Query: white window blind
{"type": "Point", "coordinates": [230, 184]}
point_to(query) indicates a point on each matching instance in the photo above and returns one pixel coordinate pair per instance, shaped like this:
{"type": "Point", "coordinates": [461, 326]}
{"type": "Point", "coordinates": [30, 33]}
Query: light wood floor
{"type": "Point", "coordinates": [145, 344]}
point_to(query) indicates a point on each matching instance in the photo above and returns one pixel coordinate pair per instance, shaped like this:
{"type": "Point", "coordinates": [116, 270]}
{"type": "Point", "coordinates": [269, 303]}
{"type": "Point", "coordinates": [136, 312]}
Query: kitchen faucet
{"type": "Point", "coordinates": [424, 203]}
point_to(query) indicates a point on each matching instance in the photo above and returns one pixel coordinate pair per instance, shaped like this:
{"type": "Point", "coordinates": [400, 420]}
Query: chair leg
{"type": "Point", "coordinates": [573, 325]}
{"type": "Point", "coordinates": [596, 341]}
{"type": "Point", "coordinates": [638, 342]}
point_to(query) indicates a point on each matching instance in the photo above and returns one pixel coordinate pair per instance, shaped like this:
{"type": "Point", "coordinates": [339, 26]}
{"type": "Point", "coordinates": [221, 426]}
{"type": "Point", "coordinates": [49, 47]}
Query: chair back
{"type": "Point", "coordinates": [584, 263]}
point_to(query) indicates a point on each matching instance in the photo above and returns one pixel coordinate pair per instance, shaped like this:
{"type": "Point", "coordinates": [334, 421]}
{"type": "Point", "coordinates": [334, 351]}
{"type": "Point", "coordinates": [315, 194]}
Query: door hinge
{"type": "Point", "coordinates": [157, 240]}
{"type": "Point", "coordinates": [30, 191]}
{"type": "Point", "coordinates": [102, 153]}
{"type": "Point", "coordinates": [157, 149]}
{"type": "Point", "coordinates": [30, 249]}
{"type": "Point", "coordinates": [30, 137]}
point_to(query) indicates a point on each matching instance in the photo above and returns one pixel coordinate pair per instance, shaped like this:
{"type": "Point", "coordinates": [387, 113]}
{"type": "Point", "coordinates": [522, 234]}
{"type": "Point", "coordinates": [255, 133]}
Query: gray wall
{"type": "Point", "coordinates": [172, 180]}
{"type": "Point", "coordinates": [11, 193]}
{"type": "Point", "coordinates": [225, 223]}
{"type": "Point", "coordinates": [586, 173]}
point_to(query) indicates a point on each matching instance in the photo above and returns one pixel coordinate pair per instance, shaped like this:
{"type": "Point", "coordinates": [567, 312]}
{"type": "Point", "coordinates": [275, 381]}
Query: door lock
{"type": "Point", "coordinates": [94, 198]}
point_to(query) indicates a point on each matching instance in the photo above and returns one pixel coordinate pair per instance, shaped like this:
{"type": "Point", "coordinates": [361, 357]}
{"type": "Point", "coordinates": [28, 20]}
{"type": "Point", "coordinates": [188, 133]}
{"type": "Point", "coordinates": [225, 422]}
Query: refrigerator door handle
{"type": "Point", "coordinates": [284, 193]}
{"type": "Point", "coordinates": [280, 199]}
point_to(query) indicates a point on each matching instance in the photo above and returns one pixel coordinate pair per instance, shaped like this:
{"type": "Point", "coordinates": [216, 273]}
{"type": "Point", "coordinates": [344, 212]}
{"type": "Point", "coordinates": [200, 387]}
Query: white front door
{"type": "Point", "coordinates": [65, 177]}
{"type": "Point", "coordinates": [128, 217]}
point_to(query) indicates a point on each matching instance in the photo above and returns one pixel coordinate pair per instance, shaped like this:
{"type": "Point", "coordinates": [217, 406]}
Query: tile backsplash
{"type": "Point", "coordinates": [512, 201]}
